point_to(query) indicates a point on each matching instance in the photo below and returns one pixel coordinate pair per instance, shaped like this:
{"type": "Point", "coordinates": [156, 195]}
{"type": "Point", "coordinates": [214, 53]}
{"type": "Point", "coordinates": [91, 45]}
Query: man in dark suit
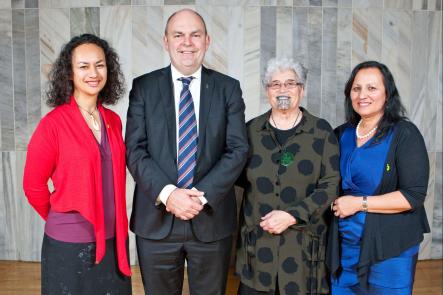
{"type": "Point", "coordinates": [186, 146]}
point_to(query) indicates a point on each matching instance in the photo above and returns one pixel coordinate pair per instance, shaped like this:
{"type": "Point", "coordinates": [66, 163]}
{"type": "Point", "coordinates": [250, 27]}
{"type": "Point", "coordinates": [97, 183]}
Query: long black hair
{"type": "Point", "coordinates": [394, 110]}
{"type": "Point", "coordinates": [60, 83]}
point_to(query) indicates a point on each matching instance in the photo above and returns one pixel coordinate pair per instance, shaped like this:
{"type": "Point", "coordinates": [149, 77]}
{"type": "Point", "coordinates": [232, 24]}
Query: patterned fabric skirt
{"type": "Point", "coordinates": [69, 268]}
{"type": "Point", "coordinates": [245, 290]}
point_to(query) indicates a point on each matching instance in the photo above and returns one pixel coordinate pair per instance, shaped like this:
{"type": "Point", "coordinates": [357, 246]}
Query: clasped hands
{"type": "Point", "coordinates": [277, 221]}
{"type": "Point", "coordinates": [184, 203]}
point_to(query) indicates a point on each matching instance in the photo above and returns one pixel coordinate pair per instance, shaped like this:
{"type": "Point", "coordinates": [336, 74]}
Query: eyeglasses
{"type": "Point", "coordinates": [289, 84]}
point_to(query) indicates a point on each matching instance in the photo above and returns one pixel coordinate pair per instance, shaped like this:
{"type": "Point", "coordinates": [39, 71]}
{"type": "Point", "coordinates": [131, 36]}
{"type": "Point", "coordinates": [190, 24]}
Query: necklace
{"type": "Point", "coordinates": [367, 134]}
{"type": "Point", "coordinates": [293, 125]}
{"type": "Point", "coordinates": [94, 122]}
{"type": "Point", "coordinates": [286, 158]}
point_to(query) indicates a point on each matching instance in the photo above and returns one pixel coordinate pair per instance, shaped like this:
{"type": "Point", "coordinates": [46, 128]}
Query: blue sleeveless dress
{"type": "Point", "coordinates": [361, 170]}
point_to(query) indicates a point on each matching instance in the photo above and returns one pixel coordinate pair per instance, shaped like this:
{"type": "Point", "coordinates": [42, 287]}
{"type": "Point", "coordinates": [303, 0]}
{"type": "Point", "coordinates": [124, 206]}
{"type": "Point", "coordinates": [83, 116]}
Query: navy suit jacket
{"type": "Point", "coordinates": [151, 152]}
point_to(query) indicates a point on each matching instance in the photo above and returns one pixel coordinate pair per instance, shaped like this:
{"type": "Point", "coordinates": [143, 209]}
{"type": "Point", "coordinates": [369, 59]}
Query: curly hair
{"type": "Point", "coordinates": [394, 110]}
{"type": "Point", "coordinates": [60, 83]}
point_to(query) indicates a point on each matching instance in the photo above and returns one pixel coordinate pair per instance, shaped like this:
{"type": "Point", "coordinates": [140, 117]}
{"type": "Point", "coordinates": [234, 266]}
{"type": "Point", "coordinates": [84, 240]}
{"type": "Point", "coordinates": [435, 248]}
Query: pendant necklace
{"type": "Point", "coordinates": [286, 158]}
{"type": "Point", "coordinates": [94, 122]}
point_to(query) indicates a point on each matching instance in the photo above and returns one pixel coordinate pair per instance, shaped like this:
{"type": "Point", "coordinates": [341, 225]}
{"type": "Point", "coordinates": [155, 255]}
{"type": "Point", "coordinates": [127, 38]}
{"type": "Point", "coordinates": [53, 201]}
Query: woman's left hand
{"type": "Point", "coordinates": [346, 206]}
{"type": "Point", "coordinates": [277, 221]}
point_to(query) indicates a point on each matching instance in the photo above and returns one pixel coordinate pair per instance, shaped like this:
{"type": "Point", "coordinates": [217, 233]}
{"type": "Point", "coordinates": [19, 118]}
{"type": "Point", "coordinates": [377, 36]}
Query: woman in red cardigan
{"type": "Point", "coordinates": [79, 146]}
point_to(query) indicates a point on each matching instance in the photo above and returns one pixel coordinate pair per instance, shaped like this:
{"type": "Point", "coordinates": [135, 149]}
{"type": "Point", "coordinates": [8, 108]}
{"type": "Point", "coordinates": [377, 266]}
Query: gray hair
{"type": "Point", "coordinates": [281, 64]}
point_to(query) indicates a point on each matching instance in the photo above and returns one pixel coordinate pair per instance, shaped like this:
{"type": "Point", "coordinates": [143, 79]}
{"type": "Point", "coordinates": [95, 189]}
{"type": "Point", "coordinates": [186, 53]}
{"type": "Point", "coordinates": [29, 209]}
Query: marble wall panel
{"type": "Point", "coordinates": [31, 3]}
{"type": "Point", "coordinates": [367, 34]}
{"type": "Point", "coordinates": [29, 225]}
{"type": "Point", "coordinates": [8, 208]}
{"type": "Point", "coordinates": [33, 90]}
{"type": "Point", "coordinates": [367, 4]}
{"type": "Point", "coordinates": [314, 61]}
{"type": "Point", "coordinates": [436, 225]}
{"type": "Point", "coordinates": [235, 45]}
{"type": "Point", "coordinates": [330, 3]}
{"type": "Point", "coordinates": [116, 28]}
{"type": "Point", "coordinates": [19, 74]}
{"type": "Point", "coordinates": [68, 3]}
{"type": "Point", "coordinates": [300, 35]}
{"type": "Point", "coordinates": [54, 32]}
{"type": "Point", "coordinates": [284, 32]}
{"type": "Point", "coordinates": [329, 66]}
{"type": "Point", "coordinates": [85, 20]}
{"type": "Point", "coordinates": [148, 2]}
{"type": "Point", "coordinates": [268, 30]}
{"type": "Point", "coordinates": [17, 4]}
{"type": "Point", "coordinates": [4, 241]}
{"type": "Point", "coordinates": [425, 246]}
{"type": "Point", "coordinates": [433, 4]}
{"type": "Point", "coordinates": [179, 2]}
{"type": "Point", "coordinates": [7, 140]}
{"type": "Point", "coordinates": [425, 62]}
{"type": "Point", "coordinates": [427, 5]}
{"type": "Point", "coordinates": [236, 3]}
{"type": "Point", "coordinates": [218, 20]}
{"type": "Point", "coordinates": [401, 4]}
{"type": "Point", "coordinates": [5, 4]}
{"type": "Point", "coordinates": [344, 3]}
{"type": "Point", "coordinates": [301, 3]}
{"type": "Point", "coordinates": [419, 4]}
{"type": "Point", "coordinates": [439, 135]}
{"type": "Point", "coordinates": [147, 36]}
{"type": "Point", "coordinates": [114, 2]}
{"type": "Point", "coordinates": [344, 53]}
{"type": "Point", "coordinates": [251, 84]}
{"type": "Point", "coordinates": [397, 48]}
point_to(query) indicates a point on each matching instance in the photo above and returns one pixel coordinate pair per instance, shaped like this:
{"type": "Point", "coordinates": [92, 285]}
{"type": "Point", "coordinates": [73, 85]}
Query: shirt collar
{"type": "Point", "coordinates": [176, 74]}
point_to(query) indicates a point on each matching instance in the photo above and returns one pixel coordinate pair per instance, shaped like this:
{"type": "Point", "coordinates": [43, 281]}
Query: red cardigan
{"type": "Point", "coordinates": [64, 149]}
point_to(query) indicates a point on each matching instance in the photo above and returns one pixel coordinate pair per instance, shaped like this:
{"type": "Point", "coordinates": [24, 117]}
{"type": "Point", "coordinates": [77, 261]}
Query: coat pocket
{"type": "Point", "coordinates": [314, 249]}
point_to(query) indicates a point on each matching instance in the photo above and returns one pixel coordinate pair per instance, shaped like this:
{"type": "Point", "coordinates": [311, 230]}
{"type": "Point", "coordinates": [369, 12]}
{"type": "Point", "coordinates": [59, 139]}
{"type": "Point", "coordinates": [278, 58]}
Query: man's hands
{"type": "Point", "coordinates": [184, 203]}
{"type": "Point", "coordinates": [277, 221]}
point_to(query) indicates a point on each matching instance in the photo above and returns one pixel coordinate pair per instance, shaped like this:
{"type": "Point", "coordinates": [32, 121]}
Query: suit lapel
{"type": "Point", "coordinates": [206, 89]}
{"type": "Point", "coordinates": [167, 98]}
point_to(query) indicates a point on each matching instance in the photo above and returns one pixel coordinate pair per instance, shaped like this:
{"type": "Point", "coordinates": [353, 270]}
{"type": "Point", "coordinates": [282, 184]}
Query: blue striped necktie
{"type": "Point", "coordinates": [187, 136]}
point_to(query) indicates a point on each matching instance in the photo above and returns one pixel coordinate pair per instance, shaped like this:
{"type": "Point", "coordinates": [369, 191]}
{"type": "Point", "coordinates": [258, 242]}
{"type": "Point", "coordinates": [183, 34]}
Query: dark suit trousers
{"type": "Point", "coordinates": [162, 262]}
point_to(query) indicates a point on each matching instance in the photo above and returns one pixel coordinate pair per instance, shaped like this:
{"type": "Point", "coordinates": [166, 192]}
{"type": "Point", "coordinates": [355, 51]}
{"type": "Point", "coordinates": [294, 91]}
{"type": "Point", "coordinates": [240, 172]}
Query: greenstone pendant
{"type": "Point", "coordinates": [287, 158]}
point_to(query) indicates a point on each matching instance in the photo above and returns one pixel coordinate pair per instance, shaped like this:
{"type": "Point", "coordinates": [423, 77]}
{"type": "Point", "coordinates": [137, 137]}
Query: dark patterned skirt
{"type": "Point", "coordinates": [69, 268]}
{"type": "Point", "coordinates": [245, 290]}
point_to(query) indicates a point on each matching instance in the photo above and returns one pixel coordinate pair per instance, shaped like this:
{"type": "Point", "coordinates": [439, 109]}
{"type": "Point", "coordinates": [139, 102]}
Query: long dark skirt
{"type": "Point", "coordinates": [69, 268]}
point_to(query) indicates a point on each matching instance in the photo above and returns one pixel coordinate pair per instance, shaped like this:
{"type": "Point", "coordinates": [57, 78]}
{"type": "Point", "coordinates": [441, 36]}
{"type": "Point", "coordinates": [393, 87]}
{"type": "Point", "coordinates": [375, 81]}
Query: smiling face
{"type": "Point", "coordinates": [368, 93]}
{"type": "Point", "coordinates": [89, 71]}
{"type": "Point", "coordinates": [186, 41]}
{"type": "Point", "coordinates": [289, 87]}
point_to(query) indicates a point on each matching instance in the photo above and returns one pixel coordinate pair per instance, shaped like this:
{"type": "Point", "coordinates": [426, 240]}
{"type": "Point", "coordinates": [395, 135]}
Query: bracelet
{"type": "Point", "coordinates": [364, 204]}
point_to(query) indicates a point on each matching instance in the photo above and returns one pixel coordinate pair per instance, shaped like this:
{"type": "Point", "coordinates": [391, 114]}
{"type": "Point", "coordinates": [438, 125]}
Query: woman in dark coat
{"type": "Point", "coordinates": [291, 177]}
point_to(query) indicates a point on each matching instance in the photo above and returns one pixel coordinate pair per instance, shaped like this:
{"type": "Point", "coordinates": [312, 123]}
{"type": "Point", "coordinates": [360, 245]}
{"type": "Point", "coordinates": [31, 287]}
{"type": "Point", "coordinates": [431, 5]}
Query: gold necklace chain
{"type": "Point", "coordinates": [94, 122]}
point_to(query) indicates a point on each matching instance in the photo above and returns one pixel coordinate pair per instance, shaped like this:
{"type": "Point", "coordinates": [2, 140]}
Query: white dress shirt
{"type": "Point", "coordinates": [194, 88]}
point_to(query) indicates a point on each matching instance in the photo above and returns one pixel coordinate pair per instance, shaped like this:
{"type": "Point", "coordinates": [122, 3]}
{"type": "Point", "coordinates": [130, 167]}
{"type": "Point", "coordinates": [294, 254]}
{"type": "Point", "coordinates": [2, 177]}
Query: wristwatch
{"type": "Point", "coordinates": [364, 204]}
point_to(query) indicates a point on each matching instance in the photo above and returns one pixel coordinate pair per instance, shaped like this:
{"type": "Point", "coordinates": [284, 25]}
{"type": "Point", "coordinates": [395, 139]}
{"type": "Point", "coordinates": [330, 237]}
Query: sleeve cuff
{"type": "Point", "coordinates": [202, 199]}
{"type": "Point", "coordinates": [164, 194]}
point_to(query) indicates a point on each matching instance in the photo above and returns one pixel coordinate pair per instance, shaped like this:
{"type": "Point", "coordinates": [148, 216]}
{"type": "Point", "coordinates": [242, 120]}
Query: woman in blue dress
{"type": "Point", "coordinates": [379, 218]}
